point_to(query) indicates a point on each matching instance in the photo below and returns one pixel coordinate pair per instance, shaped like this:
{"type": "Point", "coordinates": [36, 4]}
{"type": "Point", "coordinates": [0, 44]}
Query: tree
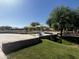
{"type": "Point", "coordinates": [35, 24]}
{"type": "Point", "coordinates": [5, 28]}
{"type": "Point", "coordinates": [60, 16]}
{"type": "Point", "coordinates": [49, 23]}
{"type": "Point", "coordinates": [76, 20]}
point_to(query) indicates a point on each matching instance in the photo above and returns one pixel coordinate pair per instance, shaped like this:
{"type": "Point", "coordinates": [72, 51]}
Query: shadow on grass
{"type": "Point", "coordinates": [15, 46]}
{"type": "Point", "coordinates": [51, 37]}
{"type": "Point", "coordinates": [56, 38]}
{"type": "Point", "coordinates": [71, 39]}
{"type": "Point", "coordinates": [71, 57]}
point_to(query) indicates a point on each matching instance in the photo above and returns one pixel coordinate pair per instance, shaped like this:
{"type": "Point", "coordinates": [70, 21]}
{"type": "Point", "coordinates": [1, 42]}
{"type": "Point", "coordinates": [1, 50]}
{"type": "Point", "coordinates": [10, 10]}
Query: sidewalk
{"type": "Point", "coordinates": [2, 55]}
{"type": "Point", "coordinates": [8, 38]}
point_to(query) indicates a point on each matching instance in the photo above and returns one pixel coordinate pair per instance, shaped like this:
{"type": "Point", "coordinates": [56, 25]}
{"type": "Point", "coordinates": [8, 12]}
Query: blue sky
{"type": "Point", "coordinates": [20, 13]}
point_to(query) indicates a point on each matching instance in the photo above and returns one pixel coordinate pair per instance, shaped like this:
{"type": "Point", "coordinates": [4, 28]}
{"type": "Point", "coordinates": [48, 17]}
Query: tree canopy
{"type": "Point", "coordinates": [35, 24]}
{"type": "Point", "coordinates": [68, 18]}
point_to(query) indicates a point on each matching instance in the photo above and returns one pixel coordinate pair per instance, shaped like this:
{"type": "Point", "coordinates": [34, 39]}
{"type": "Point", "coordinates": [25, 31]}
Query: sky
{"type": "Point", "coordinates": [20, 13]}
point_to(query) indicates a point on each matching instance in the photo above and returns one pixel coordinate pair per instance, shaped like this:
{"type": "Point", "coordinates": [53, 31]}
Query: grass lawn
{"type": "Point", "coordinates": [67, 42]}
{"type": "Point", "coordinates": [47, 50]}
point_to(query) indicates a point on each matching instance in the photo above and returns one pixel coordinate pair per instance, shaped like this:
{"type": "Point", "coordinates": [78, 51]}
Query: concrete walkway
{"type": "Point", "coordinates": [2, 55]}
{"type": "Point", "coordinates": [8, 38]}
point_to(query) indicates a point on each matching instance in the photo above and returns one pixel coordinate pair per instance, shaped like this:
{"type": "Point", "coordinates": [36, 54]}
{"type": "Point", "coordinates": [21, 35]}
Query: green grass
{"type": "Point", "coordinates": [47, 50]}
{"type": "Point", "coordinates": [67, 42]}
